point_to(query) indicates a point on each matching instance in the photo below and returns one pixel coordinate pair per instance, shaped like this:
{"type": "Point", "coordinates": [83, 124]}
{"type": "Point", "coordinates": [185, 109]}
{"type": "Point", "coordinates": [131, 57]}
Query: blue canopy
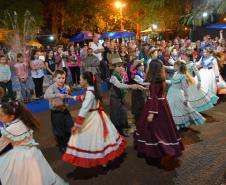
{"type": "Point", "coordinates": [217, 26]}
{"type": "Point", "coordinates": [77, 38]}
{"type": "Point", "coordinates": [84, 35]}
{"type": "Point", "coordinates": [116, 35]}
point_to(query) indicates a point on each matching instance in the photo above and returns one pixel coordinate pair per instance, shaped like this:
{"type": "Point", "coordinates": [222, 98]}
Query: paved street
{"type": "Point", "coordinates": [203, 161]}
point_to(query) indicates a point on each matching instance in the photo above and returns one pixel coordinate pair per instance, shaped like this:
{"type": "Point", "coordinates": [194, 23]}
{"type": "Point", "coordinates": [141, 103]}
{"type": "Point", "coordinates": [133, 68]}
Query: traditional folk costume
{"type": "Point", "coordinates": [183, 113]}
{"type": "Point", "coordinates": [159, 137]}
{"type": "Point", "coordinates": [61, 119]}
{"type": "Point", "coordinates": [98, 142]}
{"type": "Point", "coordinates": [209, 73]}
{"type": "Point", "coordinates": [118, 111]}
{"type": "Point", "coordinates": [199, 99]}
{"type": "Point", "coordinates": [138, 97]}
{"type": "Point", "coordinates": [24, 164]}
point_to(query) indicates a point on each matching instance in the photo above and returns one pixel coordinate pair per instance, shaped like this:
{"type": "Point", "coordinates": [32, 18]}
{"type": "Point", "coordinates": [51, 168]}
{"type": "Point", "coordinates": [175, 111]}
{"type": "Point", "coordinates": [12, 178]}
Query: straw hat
{"type": "Point", "coordinates": [137, 62]}
{"type": "Point", "coordinates": [152, 50]}
{"type": "Point", "coordinates": [116, 61]}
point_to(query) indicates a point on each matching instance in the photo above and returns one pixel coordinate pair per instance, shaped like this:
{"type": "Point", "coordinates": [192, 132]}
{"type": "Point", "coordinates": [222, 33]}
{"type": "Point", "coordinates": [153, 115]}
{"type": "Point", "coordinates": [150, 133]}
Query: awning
{"type": "Point", "coordinates": [116, 35]}
{"type": "Point", "coordinates": [217, 26]}
{"type": "Point", "coordinates": [79, 37]}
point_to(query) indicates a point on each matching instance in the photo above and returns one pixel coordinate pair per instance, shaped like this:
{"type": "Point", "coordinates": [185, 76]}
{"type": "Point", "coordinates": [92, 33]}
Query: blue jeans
{"type": "Point", "coordinates": [25, 89]}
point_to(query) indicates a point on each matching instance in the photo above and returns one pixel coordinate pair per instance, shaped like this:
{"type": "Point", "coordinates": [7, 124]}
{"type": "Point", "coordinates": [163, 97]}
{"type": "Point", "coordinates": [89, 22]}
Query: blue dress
{"type": "Point", "coordinates": [183, 114]}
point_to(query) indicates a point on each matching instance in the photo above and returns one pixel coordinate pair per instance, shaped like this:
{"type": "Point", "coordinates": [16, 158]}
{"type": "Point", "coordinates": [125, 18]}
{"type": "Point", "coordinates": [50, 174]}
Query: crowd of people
{"type": "Point", "coordinates": [172, 83]}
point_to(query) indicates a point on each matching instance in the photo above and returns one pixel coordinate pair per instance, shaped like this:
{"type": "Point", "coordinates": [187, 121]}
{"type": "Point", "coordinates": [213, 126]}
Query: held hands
{"type": "Point", "coordinates": [75, 129]}
{"type": "Point", "coordinates": [150, 117]}
{"type": "Point", "coordinates": [65, 96]}
{"type": "Point", "coordinates": [137, 87]}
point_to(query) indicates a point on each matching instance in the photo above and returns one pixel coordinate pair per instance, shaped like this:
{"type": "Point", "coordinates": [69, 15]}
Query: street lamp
{"type": "Point", "coordinates": [51, 38]}
{"type": "Point", "coordinates": [154, 26]}
{"type": "Point", "coordinates": [119, 5]}
{"type": "Point", "coordinates": [205, 14]}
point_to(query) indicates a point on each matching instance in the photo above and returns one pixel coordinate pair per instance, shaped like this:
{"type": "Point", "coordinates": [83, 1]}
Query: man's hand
{"type": "Point", "coordinates": [75, 129]}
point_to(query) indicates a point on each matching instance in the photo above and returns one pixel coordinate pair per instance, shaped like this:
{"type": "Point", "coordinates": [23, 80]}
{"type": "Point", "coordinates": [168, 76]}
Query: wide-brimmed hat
{"type": "Point", "coordinates": [116, 61]}
{"type": "Point", "coordinates": [152, 50]}
{"type": "Point", "coordinates": [137, 62]}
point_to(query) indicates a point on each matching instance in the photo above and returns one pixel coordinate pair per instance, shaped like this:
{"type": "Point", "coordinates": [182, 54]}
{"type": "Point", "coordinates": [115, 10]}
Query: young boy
{"type": "Point", "coordinates": [60, 116]}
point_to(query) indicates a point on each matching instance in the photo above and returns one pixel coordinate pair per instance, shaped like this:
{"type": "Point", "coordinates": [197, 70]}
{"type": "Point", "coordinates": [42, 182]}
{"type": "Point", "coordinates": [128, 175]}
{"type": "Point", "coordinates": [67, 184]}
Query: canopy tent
{"type": "Point", "coordinates": [79, 37]}
{"type": "Point", "coordinates": [116, 35]}
{"type": "Point", "coordinates": [217, 26]}
{"type": "Point", "coordinates": [147, 30]}
{"type": "Point", "coordinates": [34, 43]}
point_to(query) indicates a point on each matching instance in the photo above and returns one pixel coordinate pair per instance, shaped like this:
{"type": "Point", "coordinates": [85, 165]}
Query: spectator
{"type": "Point", "coordinates": [37, 74]}
{"type": "Point", "coordinates": [5, 79]}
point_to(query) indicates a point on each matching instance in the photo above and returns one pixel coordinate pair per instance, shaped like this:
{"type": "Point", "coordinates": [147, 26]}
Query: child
{"type": "Point", "coordinates": [183, 113]}
{"type": "Point", "coordinates": [50, 66]}
{"type": "Point", "coordinates": [24, 164]}
{"type": "Point", "coordinates": [37, 74]}
{"type": "Point", "coordinates": [21, 70]}
{"type": "Point", "coordinates": [95, 141]}
{"type": "Point", "coordinates": [118, 112]}
{"type": "Point", "coordinates": [5, 79]}
{"type": "Point", "coordinates": [138, 97]}
{"type": "Point", "coordinates": [209, 71]}
{"type": "Point", "coordinates": [156, 136]}
{"type": "Point", "coordinates": [60, 116]}
{"type": "Point", "coordinates": [199, 99]}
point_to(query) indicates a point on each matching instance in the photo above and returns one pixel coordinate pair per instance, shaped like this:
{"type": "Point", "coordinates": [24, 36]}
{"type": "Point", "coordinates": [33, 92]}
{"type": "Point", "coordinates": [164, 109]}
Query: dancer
{"type": "Point", "coordinates": [199, 99]}
{"type": "Point", "coordinates": [24, 164]}
{"type": "Point", "coordinates": [138, 97]}
{"type": "Point", "coordinates": [209, 71]}
{"type": "Point", "coordinates": [183, 113]}
{"type": "Point", "coordinates": [94, 140]}
{"type": "Point", "coordinates": [61, 119]}
{"type": "Point", "coordinates": [156, 136]}
{"type": "Point", "coordinates": [118, 112]}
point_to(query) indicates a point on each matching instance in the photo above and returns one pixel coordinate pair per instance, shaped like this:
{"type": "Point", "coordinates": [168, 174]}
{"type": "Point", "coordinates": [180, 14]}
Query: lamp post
{"type": "Point", "coordinates": [119, 5]}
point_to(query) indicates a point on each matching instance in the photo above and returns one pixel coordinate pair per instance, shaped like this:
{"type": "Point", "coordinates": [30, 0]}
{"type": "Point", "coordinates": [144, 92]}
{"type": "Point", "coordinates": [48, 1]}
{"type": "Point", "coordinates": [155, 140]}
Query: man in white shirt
{"type": "Point", "coordinates": [98, 49]}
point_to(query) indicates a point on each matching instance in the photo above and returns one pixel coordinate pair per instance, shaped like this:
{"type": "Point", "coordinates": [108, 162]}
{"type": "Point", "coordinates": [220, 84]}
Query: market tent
{"type": "Point", "coordinates": [79, 37]}
{"type": "Point", "coordinates": [116, 35]}
{"type": "Point", "coordinates": [34, 43]}
{"type": "Point", "coordinates": [217, 26]}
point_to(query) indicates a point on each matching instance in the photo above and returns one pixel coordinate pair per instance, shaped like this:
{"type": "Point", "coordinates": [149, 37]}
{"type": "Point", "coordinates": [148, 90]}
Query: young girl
{"type": "Point", "coordinates": [156, 135]}
{"type": "Point", "coordinates": [198, 98]}
{"type": "Point", "coordinates": [5, 79]}
{"type": "Point", "coordinates": [50, 65]}
{"type": "Point", "coordinates": [183, 113]}
{"type": "Point", "coordinates": [24, 164]}
{"type": "Point", "coordinates": [37, 74]}
{"type": "Point", "coordinates": [209, 71]}
{"type": "Point", "coordinates": [73, 60]}
{"type": "Point", "coordinates": [94, 140]}
{"type": "Point", "coordinates": [21, 69]}
{"type": "Point", "coordinates": [118, 112]}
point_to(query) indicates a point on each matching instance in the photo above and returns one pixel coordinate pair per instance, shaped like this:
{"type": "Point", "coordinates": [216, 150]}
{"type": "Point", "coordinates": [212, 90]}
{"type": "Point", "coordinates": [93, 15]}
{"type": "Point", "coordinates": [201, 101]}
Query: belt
{"type": "Point", "coordinates": [206, 68]}
{"type": "Point", "coordinates": [100, 111]}
{"type": "Point", "coordinates": [157, 98]}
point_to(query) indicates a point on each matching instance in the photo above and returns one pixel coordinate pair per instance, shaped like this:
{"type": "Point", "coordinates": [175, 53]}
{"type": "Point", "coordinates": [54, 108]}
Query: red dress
{"type": "Point", "coordinates": [160, 137]}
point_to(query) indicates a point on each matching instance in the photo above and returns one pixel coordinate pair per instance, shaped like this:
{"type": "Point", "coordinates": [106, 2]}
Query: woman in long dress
{"type": "Point", "coordinates": [94, 140]}
{"type": "Point", "coordinates": [183, 113]}
{"type": "Point", "coordinates": [209, 71]}
{"type": "Point", "coordinates": [199, 99]}
{"type": "Point", "coordinates": [24, 164]}
{"type": "Point", "coordinates": [156, 136]}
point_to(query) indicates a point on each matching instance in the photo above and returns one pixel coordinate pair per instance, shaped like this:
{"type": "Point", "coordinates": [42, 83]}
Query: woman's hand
{"type": "Point", "coordinates": [150, 117]}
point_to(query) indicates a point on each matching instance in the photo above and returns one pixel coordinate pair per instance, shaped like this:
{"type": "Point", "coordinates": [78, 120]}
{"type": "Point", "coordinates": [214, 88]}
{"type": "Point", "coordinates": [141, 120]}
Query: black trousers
{"type": "Point", "coordinates": [62, 123]}
{"type": "Point", "coordinates": [75, 73]}
{"type": "Point", "coordinates": [8, 90]}
{"type": "Point", "coordinates": [38, 86]}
